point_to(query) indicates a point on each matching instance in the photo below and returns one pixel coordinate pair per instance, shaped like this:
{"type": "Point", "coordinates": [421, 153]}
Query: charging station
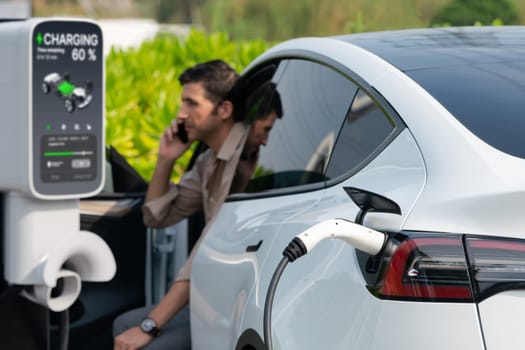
{"type": "Point", "coordinates": [52, 154]}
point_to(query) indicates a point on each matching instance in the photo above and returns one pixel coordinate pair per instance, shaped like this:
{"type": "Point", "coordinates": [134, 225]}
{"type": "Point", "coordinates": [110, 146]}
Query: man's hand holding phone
{"type": "Point", "coordinates": [173, 142]}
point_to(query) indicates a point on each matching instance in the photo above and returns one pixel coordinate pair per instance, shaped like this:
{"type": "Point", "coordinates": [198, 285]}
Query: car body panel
{"type": "Point", "coordinates": [451, 326]}
{"type": "Point", "coordinates": [218, 312]}
{"type": "Point", "coordinates": [501, 315]}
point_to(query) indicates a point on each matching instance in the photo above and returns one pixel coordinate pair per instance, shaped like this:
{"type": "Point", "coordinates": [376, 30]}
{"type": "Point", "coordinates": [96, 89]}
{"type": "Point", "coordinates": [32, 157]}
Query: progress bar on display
{"type": "Point", "coordinates": [67, 153]}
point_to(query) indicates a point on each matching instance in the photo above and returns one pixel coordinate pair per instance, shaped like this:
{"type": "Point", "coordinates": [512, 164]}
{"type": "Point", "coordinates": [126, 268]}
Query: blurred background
{"type": "Point", "coordinates": [148, 43]}
{"type": "Point", "coordinates": [276, 20]}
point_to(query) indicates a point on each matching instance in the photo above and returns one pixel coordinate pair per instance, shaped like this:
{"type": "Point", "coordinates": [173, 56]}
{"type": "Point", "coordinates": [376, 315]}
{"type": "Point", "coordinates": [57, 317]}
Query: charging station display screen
{"type": "Point", "coordinates": [67, 118]}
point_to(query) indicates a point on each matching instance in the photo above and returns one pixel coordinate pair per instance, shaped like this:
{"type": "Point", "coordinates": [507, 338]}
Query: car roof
{"type": "Point", "coordinates": [424, 48]}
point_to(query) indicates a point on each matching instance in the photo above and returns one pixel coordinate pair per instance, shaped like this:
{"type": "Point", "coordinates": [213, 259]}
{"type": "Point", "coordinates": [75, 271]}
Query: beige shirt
{"type": "Point", "coordinates": [204, 187]}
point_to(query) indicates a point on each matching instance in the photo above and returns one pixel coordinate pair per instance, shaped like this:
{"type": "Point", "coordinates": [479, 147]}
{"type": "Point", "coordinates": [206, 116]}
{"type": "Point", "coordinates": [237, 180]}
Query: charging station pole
{"type": "Point", "coordinates": [52, 154]}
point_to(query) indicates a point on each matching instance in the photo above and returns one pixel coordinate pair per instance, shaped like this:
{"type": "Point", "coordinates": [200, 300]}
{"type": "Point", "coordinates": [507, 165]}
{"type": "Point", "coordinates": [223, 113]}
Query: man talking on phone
{"type": "Point", "coordinates": [206, 115]}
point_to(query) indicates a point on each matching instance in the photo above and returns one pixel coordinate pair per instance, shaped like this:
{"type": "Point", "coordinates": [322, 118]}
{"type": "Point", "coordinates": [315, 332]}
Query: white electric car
{"type": "Point", "coordinates": [418, 134]}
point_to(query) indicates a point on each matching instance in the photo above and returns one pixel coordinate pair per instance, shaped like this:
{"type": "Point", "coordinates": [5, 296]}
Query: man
{"type": "Point", "coordinates": [206, 116]}
{"type": "Point", "coordinates": [226, 167]}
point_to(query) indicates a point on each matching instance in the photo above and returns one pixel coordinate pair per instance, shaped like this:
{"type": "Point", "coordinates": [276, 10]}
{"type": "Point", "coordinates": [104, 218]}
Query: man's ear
{"type": "Point", "coordinates": [226, 110]}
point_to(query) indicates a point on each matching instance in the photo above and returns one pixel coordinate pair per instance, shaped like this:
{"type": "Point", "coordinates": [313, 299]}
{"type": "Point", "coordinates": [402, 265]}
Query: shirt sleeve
{"type": "Point", "coordinates": [181, 201]}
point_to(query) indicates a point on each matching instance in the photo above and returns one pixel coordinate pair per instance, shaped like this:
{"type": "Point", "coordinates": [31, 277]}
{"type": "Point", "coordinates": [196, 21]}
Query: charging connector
{"type": "Point", "coordinates": [362, 238]}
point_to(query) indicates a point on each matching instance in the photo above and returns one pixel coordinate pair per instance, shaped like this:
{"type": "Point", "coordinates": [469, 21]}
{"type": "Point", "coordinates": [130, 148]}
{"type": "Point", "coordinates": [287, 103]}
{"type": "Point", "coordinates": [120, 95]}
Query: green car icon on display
{"type": "Point", "coordinates": [73, 96]}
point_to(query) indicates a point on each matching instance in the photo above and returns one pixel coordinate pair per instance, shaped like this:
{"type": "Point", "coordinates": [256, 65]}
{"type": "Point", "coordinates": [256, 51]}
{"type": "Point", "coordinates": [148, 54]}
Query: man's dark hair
{"type": "Point", "coordinates": [216, 76]}
{"type": "Point", "coordinates": [258, 104]}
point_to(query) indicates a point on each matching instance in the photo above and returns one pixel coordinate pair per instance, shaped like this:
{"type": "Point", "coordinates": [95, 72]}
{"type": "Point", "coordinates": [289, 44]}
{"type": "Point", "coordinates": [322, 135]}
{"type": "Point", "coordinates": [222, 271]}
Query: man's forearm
{"type": "Point", "coordinates": [176, 298]}
{"type": "Point", "coordinates": [160, 181]}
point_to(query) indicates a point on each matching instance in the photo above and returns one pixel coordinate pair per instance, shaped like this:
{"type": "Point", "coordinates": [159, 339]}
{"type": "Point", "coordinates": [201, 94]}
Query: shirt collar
{"type": "Point", "coordinates": [233, 141]}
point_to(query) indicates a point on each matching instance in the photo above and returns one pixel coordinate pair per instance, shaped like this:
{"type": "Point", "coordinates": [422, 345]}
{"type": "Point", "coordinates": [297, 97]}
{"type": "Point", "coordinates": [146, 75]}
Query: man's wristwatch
{"type": "Point", "coordinates": [148, 325]}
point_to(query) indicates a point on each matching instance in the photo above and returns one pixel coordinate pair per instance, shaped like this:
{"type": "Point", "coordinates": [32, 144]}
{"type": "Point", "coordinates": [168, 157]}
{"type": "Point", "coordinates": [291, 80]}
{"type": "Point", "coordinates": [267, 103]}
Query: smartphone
{"type": "Point", "coordinates": [181, 133]}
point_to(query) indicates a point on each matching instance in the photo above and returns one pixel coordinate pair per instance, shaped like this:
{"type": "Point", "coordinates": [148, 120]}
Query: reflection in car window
{"type": "Point", "coordinates": [365, 128]}
{"type": "Point", "coordinates": [315, 100]}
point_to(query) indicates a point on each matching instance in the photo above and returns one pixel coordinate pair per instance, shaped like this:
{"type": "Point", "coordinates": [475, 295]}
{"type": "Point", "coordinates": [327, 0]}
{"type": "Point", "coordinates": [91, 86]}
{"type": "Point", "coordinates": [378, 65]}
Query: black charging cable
{"type": "Point", "coordinates": [294, 250]}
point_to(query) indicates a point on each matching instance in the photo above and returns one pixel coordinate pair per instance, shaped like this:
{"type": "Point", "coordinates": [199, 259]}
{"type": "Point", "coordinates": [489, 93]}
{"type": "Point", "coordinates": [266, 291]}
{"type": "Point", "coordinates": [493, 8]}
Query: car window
{"type": "Point", "coordinates": [364, 130]}
{"type": "Point", "coordinates": [486, 98]}
{"type": "Point", "coordinates": [315, 100]}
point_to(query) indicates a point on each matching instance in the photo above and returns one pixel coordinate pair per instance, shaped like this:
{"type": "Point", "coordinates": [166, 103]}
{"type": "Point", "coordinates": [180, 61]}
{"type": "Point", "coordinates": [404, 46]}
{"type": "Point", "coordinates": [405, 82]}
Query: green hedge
{"type": "Point", "coordinates": [484, 12]}
{"type": "Point", "coordinates": [143, 93]}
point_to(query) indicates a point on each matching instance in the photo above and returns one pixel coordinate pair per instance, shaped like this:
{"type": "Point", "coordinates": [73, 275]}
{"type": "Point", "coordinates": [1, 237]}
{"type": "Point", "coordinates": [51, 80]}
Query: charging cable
{"type": "Point", "coordinates": [360, 237]}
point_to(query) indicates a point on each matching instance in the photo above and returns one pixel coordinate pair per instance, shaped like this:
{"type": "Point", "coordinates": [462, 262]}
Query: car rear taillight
{"type": "Point", "coordinates": [428, 268]}
{"type": "Point", "coordinates": [452, 268]}
{"type": "Point", "coordinates": [496, 265]}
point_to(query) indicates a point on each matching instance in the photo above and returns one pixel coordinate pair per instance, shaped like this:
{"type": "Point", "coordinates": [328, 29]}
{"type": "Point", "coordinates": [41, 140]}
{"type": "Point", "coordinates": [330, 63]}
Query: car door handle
{"type": "Point", "coordinates": [253, 248]}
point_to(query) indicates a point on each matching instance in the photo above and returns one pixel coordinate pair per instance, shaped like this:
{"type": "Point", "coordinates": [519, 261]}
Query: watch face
{"type": "Point", "coordinates": [148, 325]}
